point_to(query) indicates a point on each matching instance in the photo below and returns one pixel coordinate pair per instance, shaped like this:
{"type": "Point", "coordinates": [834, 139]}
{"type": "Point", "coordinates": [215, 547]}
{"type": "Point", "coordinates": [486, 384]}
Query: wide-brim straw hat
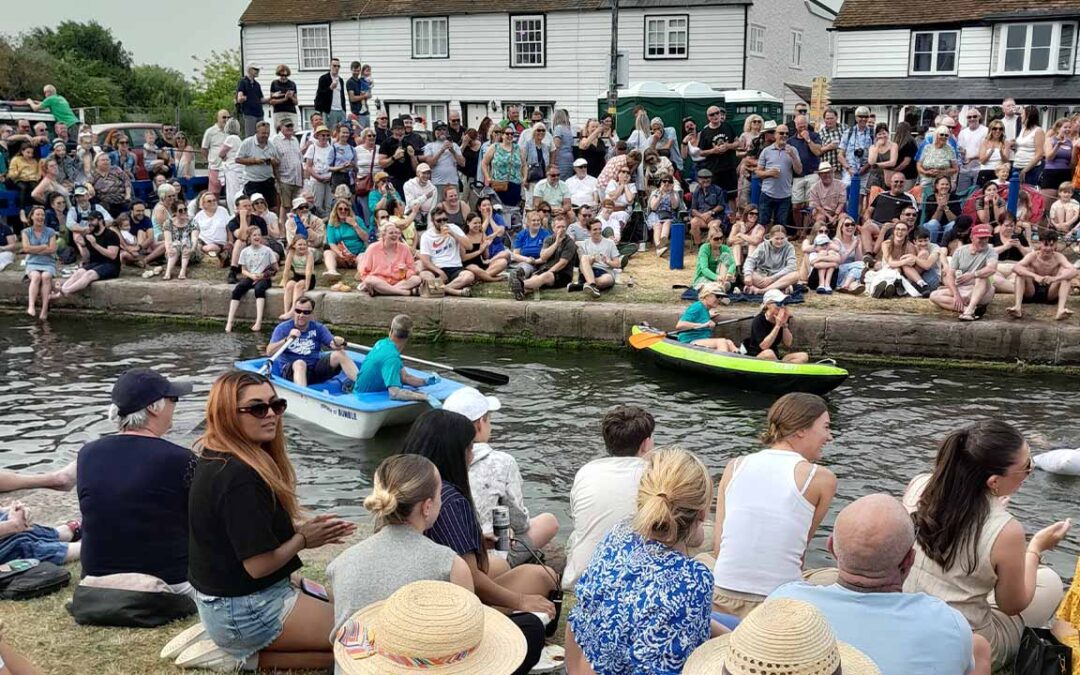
{"type": "Point", "coordinates": [431, 627]}
{"type": "Point", "coordinates": [780, 637]}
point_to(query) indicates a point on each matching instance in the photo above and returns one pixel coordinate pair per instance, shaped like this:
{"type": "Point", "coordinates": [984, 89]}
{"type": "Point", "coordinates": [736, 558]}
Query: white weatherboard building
{"type": "Point", "coordinates": [430, 56]}
{"type": "Point", "coordinates": [925, 54]}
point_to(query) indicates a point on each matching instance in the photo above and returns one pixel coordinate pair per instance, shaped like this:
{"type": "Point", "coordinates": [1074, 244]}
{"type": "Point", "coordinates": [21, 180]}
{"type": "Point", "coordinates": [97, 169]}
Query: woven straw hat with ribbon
{"type": "Point", "coordinates": [781, 637]}
{"type": "Point", "coordinates": [429, 627]}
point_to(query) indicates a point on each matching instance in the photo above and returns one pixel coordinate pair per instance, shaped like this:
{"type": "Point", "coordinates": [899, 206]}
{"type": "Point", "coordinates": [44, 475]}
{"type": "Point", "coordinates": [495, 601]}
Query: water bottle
{"type": "Point", "coordinates": [500, 524]}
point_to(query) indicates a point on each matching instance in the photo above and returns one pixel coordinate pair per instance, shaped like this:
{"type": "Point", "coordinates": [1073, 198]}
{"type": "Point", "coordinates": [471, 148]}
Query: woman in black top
{"type": "Point", "coordinates": [906, 149]}
{"type": "Point", "coordinates": [243, 547]}
{"type": "Point", "coordinates": [99, 249]}
{"type": "Point", "coordinates": [594, 147]}
{"type": "Point", "coordinates": [769, 332]}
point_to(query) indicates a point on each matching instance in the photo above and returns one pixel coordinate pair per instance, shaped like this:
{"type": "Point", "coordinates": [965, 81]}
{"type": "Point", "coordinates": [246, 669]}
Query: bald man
{"type": "Point", "coordinates": [903, 633]}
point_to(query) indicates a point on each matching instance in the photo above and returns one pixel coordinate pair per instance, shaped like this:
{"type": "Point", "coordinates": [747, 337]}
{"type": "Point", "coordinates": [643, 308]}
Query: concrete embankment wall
{"type": "Point", "coordinates": [901, 336]}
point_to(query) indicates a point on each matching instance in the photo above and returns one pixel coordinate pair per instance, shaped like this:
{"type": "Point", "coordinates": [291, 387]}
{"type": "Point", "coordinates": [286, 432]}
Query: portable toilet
{"type": "Point", "coordinates": [696, 97]}
{"type": "Point", "coordinates": [657, 99]}
{"type": "Point", "coordinates": [742, 103]}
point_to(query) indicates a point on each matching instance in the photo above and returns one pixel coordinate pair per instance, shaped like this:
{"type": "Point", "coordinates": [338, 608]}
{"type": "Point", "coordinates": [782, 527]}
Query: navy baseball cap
{"type": "Point", "coordinates": [139, 387]}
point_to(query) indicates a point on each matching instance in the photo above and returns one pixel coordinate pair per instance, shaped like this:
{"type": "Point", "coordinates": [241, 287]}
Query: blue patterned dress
{"type": "Point", "coordinates": [642, 607]}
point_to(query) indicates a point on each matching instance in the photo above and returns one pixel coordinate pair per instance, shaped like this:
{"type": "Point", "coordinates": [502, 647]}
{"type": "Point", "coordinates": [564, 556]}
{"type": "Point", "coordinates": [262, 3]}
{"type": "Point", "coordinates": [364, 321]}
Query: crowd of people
{"type": "Point", "coordinates": [418, 212]}
{"type": "Point", "coordinates": [945, 570]}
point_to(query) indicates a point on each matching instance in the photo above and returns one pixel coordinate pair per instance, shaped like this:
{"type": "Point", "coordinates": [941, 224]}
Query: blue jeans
{"type": "Point", "coordinates": [333, 119]}
{"type": "Point", "coordinates": [38, 542]}
{"type": "Point", "coordinates": [771, 206]}
{"type": "Point", "coordinates": [932, 277]}
{"type": "Point", "coordinates": [364, 120]}
{"type": "Point", "coordinates": [247, 624]}
{"type": "Point", "coordinates": [937, 232]}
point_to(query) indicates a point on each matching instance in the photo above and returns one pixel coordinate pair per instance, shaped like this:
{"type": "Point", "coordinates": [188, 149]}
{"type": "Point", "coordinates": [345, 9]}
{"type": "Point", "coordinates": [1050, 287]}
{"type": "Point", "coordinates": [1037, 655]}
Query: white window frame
{"type": "Point", "coordinates": [321, 62]}
{"type": "Point", "coordinates": [796, 48]}
{"type": "Point", "coordinates": [934, 53]}
{"type": "Point", "coordinates": [430, 50]}
{"type": "Point", "coordinates": [516, 56]}
{"type": "Point", "coordinates": [1000, 36]}
{"type": "Point", "coordinates": [427, 110]}
{"type": "Point", "coordinates": [755, 40]}
{"type": "Point", "coordinates": [667, 25]}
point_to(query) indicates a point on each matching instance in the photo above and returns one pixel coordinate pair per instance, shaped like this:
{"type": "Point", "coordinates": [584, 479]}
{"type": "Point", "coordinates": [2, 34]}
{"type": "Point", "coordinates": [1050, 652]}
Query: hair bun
{"type": "Point", "coordinates": [380, 502]}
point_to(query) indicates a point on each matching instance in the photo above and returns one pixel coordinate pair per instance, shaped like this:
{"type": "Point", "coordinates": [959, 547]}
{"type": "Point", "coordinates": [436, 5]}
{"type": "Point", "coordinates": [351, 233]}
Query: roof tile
{"type": "Point", "coordinates": [882, 13]}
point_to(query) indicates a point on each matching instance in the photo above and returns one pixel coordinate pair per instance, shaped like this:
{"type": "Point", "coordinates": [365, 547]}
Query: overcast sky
{"type": "Point", "coordinates": [165, 33]}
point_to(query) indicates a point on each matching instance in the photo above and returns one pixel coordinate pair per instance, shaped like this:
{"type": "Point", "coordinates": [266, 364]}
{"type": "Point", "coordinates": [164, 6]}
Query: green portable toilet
{"type": "Point", "coordinates": [655, 97]}
{"type": "Point", "coordinates": [696, 98]}
{"type": "Point", "coordinates": [741, 103]}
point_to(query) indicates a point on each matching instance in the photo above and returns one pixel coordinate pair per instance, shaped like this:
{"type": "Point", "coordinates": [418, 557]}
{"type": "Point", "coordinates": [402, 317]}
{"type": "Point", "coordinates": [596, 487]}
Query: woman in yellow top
{"type": "Point", "coordinates": [25, 173]}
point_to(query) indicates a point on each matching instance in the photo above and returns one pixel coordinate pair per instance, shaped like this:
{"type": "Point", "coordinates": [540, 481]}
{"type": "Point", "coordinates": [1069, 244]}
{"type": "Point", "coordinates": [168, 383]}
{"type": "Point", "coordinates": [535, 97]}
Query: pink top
{"type": "Point", "coordinates": [391, 268]}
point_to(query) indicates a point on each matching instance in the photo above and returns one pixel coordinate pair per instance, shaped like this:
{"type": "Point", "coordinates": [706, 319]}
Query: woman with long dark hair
{"type": "Point", "coordinates": [1029, 148]}
{"type": "Point", "coordinates": [446, 439]}
{"type": "Point", "coordinates": [906, 149]}
{"type": "Point", "coordinates": [968, 545]}
{"type": "Point", "coordinates": [243, 544]}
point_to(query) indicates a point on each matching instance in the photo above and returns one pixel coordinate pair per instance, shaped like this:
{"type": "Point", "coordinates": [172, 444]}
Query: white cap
{"type": "Point", "coordinates": [471, 403]}
{"type": "Point", "coordinates": [422, 167]}
{"type": "Point", "coordinates": [253, 66]}
{"type": "Point", "coordinates": [824, 167]}
{"type": "Point", "coordinates": [581, 161]}
{"type": "Point", "coordinates": [821, 240]}
{"type": "Point", "coordinates": [775, 297]}
{"type": "Point", "coordinates": [299, 201]}
{"type": "Point", "coordinates": [256, 197]}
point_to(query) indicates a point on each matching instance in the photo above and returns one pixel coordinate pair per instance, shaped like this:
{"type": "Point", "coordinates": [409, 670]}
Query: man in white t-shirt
{"type": "Point", "coordinates": [317, 169]}
{"type": "Point", "coordinates": [968, 142]}
{"type": "Point", "coordinates": [605, 490]}
{"type": "Point", "coordinates": [212, 140]}
{"type": "Point", "coordinates": [583, 188]}
{"type": "Point", "coordinates": [440, 256]}
{"type": "Point", "coordinates": [598, 258]}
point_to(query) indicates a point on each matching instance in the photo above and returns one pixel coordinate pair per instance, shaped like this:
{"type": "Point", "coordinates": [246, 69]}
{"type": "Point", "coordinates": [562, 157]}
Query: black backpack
{"type": "Point", "coordinates": [30, 578]}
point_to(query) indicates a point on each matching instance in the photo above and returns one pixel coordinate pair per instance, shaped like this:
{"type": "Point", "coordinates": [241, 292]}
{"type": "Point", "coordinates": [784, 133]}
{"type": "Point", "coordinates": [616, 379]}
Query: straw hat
{"type": "Point", "coordinates": [781, 637]}
{"type": "Point", "coordinates": [429, 627]}
{"type": "Point", "coordinates": [711, 288]}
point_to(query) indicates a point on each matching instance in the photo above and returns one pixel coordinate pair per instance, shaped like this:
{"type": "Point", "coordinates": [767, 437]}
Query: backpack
{"type": "Point", "coordinates": [31, 578]}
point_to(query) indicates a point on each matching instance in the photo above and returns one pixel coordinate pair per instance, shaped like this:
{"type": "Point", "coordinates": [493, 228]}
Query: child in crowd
{"type": "Point", "coordinates": [746, 232]}
{"type": "Point", "coordinates": [21, 537]}
{"type": "Point", "coordinates": [178, 234]}
{"type": "Point", "coordinates": [258, 264]}
{"type": "Point", "coordinates": [1065, 213]}
{"type": "Point", "coordinates": [297, 275]}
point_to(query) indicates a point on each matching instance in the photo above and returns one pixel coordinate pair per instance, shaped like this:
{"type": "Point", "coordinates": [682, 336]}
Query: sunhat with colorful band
{"type": "Point", "coordinates": [780, 637]}
{"type": "Point", "coordinates": [429, 627]}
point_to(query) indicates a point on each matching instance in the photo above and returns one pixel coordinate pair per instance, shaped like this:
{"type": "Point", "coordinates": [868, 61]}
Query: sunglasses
{"type": "Point", "coordinates": [1028, 468]}
{"type": "Point", "coordinates": [713, 114]}
{"type": "Point", "coordinates": [261, 410]}
{"type": "Point", "coordinates": [172, 399]}
{"type": "Point", "coordinates": [304, 312]}
{"type": "Point", "coordinates": [781, 133]}
{"type": "Point", "coordinates": [863, 117]}
{"type": "Point", "coordinates": [717, 239]}
{"type": "Point", "coordinates": [973, 117]}
{"type": "Point", "coordinates": [441, 221]}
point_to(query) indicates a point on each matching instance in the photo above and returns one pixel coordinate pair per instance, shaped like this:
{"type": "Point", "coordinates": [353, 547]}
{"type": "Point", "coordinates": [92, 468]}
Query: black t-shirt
{"type": "Point", "coordinates": [399, 169]}
{"type": "Point", "coordinates": [416, 141]}
{"type": "Point", "coordinates": [133, 495]}
{"type": "Point", "coordinates": [278, 86]}
{"type": "Point", "coordinates": [760, 328]}
{"type": "Point", "coordinates": [567, 251]}
{"type": "Point", "coordinates": [911, 171]}
{"type": "Point", "coordinates": [1010, 254]}
{"type": "Point", "coordinates": [138, 226]}
{"type": "Point", "coordinates": [455, 136]}
{"type": "Point", "coordinates": [234, 516]}
{"type": "Point", "coordinates": [887, 206]}
{"type": "Point", "coordinates": [595, 155]}
{"type": "Point", "coordinates": [710, 138]}
{"type": "Point", "coordinates": [233, 225]}
{"type": "Point", "coordinates": [105, 239]}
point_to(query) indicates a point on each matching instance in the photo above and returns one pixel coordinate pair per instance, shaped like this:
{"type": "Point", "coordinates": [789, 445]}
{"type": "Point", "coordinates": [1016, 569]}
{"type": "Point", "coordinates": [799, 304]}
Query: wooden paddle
{"type": "Point", "coordinates": [265, 368]}
{"type": "Point", "coordinates": [646, 340]}
{"type": "Point", "coordinates": [477, 374]}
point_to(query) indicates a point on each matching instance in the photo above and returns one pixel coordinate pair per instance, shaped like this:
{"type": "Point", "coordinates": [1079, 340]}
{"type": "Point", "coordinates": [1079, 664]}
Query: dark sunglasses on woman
{"type": "Point", "coordinates": [261, 410]}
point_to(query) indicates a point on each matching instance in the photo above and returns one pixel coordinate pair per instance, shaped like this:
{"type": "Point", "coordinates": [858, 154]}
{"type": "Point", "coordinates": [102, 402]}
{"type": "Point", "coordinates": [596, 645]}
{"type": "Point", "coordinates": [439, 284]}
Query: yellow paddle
{"type": "Point", "coordinates": [645, 340]}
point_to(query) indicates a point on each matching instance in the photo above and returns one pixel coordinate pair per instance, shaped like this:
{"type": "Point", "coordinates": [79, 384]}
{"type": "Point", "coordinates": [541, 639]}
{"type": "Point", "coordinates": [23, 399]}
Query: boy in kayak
{"type": "Point", "coordinates": [769, 331]}
{"type": "Point", "coordinates": [696, 324]}
{"type": "Point", "coordinates": [303, 362]}
{"type": "Point", "coordinates": [383, 370]}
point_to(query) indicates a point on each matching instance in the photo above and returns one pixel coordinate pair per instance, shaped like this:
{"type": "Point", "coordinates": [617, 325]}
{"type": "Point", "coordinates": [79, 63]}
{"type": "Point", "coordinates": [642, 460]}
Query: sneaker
{"type": "Point", "coordinates": [516, 281]}
{"type": "Point", "coordinates": [901, 292]}
{"type": "Point", "coordinates": [822, 290]}
{"type": "Point", "coordinates": [232, 277]}
{"type": "Point", "coordinates": [890, 290]}
{"type": "Point", "coordinates": [211, 254]}
{"type": "Point", "coordinates": [593, 290]}
{"type": "Point", "coordinates": [924, 289]}
{"type": "Point", "coordinates": [661, 251]}
{"type": "Point", "coordinates": [879, 290]}
{"type": "Point", "coordinates": [799, 288]}
{"type": "Point", "coordinates": [574, 288]}
{"type": "Point", "coordinates": [980, 311]}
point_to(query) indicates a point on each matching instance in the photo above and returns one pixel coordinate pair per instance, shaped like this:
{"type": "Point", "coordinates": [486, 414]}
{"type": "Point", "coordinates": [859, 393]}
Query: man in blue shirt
{"type": "Point", "coordinates": [903, 633]}
{"type": "Point", "coordinates": [249, 96]}
{"type": "Point", "coordinates": [808, 144]}
{"type": "Point", "coordinates": [778, 165]}
{"type": "Point", "coordinates": [303, 362]}
{"type": "Point", "coordinates": [707, 206]}
{"type": "Point", "coordinates": [383, 370]}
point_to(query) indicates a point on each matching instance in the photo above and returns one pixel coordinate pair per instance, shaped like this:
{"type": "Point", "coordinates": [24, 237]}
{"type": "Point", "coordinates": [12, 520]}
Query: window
{"type": "Point", "coordinates": [667, 37]}
{"type": "Point", "coordinates": [528, 46]}
{"type": "Point", "coordinates": [796, 48]}
{"type": "Point", "coordinates": [757, 40]}
{"type": "Point", "coordinates": [1033, 48]}
{"type": "Point", "coordinates": [314, 42]}
{"type": "Point", "coordinates": [431, 112]}
{"type": "Point", "coordinates": [430, 40]}
{"type": "Point", "coordinates": [934, 52]}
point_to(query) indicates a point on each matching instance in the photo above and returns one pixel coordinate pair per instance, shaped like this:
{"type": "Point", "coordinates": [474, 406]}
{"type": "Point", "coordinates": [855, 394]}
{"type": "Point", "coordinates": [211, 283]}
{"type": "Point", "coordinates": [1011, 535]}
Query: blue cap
{"type": "Point", "coordinates": [139, 387]}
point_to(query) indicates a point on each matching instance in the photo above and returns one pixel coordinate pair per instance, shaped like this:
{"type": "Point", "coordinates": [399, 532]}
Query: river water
{"type": "Point", "coordinates": [55, 382]}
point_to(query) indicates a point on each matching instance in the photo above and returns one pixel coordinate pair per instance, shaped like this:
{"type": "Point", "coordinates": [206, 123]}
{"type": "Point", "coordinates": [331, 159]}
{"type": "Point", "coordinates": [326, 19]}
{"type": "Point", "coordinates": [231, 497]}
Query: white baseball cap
{"type": "Point", "coordinates": [581, 161]}
{"type": "Point", "coordinates": [471, 403]}
{"type": "Point", "coordinates": [774, 297]}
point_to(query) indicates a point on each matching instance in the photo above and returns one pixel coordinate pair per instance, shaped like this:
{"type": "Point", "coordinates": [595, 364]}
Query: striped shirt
{"type": "Point", "coordinates": [456, 527]}
{"type": "Point", "coordinates": [830, 136]}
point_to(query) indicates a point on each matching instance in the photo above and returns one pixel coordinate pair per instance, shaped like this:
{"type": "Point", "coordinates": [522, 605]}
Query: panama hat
{"type": "Point", "coordinates": [780, 637]}
{"type": "Point", "coordinates": [711, 288]}
{"type": "Point", "coordinates": [429, 627]}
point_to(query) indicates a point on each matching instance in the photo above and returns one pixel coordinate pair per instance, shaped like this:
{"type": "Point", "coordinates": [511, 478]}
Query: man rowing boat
{"type": "Point", "coordinates": [303, 362]}
{"type": "Point", "coordinates": [383, 370]}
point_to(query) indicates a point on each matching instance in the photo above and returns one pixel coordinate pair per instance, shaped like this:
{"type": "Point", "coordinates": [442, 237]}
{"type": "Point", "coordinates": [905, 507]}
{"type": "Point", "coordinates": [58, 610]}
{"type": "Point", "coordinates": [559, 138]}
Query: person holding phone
{"type": "Point", "coordinates": [246, 529]}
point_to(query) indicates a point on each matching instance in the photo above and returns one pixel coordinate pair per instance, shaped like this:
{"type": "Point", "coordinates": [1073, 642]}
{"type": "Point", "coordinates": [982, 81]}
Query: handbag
{"type": "Point", "coordinates": [1041, 654]}
{"type": "Point", "coordinates": [500, 185]}
{"type": "Point", "coordinates": [366, 184]}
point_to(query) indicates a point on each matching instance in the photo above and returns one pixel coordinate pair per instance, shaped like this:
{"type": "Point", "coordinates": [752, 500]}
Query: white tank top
{"type": "Point", "coordinates": [1025, 148]}
{"type": "Point", "coordinates": [766, 523]}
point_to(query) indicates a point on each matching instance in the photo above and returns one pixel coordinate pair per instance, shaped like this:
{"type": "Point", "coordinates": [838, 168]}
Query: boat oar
{"type": "Point", "coordinates": [646, 340]}
{"type": "Point", "coordinates": [265, 368]}
{"type": "Point", "coordinates": [478, 374]}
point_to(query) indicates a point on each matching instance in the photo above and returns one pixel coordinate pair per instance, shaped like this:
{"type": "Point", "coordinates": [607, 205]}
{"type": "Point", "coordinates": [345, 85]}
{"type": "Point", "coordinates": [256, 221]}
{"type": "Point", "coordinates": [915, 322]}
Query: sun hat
{"type": "Point", "coordinates": [80, 190]}
{"type": "Point", "coordinates": [824, 167]}
{"type": "Point", "coordinates": [397, 123]}
{"type": "Point", "coordinates": [711, 288]}
{"type": "Point", "coordinates": [298, 202]}
{"type": "Point", "coordinates": [769, 125]}
{"type": "Point", "coordinates": [429, 627]}
{"type": "Point", "coordinates": [581, 161]}
{"type": "Point", "coordinates": [774, 297]}
{"type": "Point", "coordinates": [381, 175]}
{"type": "Point", "coordinates": [253, 66]}
{"type": "Point", "coordinates": [822, 240]}
{"type": "Point", "coordinates": [780, 637]}
{"type": "Point", "coordinates": [981, 230]}
{"type": "Point", "coordinates": [468, 401]}
{"type": "Point", "coordinates": [321, 128]}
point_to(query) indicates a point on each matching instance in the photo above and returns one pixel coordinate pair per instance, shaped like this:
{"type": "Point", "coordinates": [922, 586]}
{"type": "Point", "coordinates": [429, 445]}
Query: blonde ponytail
{"type": "Point", "coordinates": [674, 490]}
{"type": "Point", "coordinates": [401, 482]}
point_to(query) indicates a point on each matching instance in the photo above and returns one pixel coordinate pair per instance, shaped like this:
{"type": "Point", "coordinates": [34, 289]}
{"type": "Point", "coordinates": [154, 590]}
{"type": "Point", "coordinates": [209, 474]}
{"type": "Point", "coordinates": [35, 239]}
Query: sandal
{"type": "Point", "coordinates": [968, 317]}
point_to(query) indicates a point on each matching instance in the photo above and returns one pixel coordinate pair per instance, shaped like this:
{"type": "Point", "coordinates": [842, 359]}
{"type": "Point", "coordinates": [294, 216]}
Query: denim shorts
{"type": "Point", "coordinates": [247, 624]}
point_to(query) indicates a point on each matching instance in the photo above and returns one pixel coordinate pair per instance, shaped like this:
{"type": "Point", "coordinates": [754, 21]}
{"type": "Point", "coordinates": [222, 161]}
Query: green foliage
{"type": "Point", "coordinates": [215, 81]}
{"type": "Point", "coordinates": [156, 86]}
{"type": "Point", "coordinates": [88, 43]}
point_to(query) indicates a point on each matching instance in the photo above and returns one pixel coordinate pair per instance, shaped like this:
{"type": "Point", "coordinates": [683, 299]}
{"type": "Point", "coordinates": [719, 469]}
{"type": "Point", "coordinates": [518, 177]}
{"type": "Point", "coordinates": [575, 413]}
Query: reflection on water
{"type": "Point", "coordinates": [886, 420]}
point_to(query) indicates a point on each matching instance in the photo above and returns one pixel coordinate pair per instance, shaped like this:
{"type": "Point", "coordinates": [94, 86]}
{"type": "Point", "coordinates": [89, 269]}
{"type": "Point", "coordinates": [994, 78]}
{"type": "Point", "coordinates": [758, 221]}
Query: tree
{"type": "Point", "coordinates": [89, 43]}
{"type": "Point", "coordinates": [215, 81]}
{"type": "Point", "coordinates": [158, 87]}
